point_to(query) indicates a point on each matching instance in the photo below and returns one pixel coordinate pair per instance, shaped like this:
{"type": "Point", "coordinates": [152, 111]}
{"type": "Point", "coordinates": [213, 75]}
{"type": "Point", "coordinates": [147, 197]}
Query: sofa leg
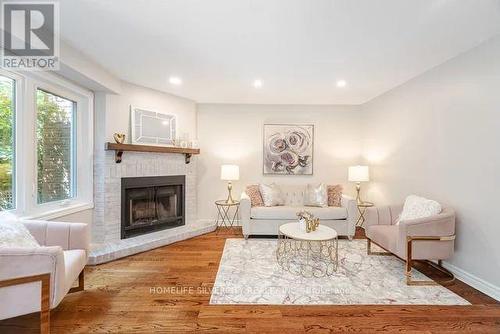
{"type": "Point", "coordinates": [245, 236]}
{"type": "Point", "coordinates": [81, 283]}
{"type": "Point", "coordinates": [350, 237]}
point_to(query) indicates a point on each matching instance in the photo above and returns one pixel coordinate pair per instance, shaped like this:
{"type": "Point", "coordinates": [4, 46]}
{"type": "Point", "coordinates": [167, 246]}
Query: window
{"type": "Point", "coordinates": [55, 134]}
{"type": "Point", "coordinates": [7, 140]}
{"type": "Point", "coordinates": [46, 145]}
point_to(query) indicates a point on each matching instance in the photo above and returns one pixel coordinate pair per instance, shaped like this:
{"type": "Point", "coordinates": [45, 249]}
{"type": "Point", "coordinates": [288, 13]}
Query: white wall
{"type": "Point", "coordinates": [118, 115]}
{"type": "Point", "coordinates": [233, 134]}
{"type": "Point", "coordinates": [84, 216]}
{"type": "Point", "coordinates": [437, 136]}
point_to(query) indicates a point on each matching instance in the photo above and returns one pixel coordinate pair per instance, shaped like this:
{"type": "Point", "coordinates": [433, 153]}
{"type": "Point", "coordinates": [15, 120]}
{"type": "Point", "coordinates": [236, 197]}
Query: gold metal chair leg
{"type": "Point", "coordinates": [409, 280]}
{"type": "Point", "coordinates": [370, 252]}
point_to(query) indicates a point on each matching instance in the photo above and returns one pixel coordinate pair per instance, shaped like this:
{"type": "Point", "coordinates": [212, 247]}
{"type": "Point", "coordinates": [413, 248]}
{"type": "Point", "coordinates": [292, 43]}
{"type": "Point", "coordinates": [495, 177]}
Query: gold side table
{"type": "Point", "coordinates": [362, 209]}
{"type": "Point", "coordinates": [224, 217]}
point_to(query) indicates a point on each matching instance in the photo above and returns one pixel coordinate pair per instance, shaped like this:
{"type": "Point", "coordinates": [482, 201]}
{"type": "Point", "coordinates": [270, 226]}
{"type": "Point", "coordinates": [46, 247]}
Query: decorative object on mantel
{"type": "Point", "coordinates": [194, 144]}
{"type": "Point", "coordinates": [358, 174]}
{"type": "Point", "coordinates": [120, 148]}
{"type": "Point", "coordinates": [119, 138]}
{"type": "Point", "coordinates": [229, 173]}
{"type": "Point", "coordinates": [288, 149]}
{"type": "Point", "coordinates": [152, 128]}
{"type": "Point", "coordinates": [307, 221]}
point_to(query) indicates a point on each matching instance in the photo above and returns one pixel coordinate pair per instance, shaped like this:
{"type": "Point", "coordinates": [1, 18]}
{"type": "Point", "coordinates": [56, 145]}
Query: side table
{"type": "Point", "coordinates": [362, 209]}
{"type": "Point", "coordinates": [224, 217]}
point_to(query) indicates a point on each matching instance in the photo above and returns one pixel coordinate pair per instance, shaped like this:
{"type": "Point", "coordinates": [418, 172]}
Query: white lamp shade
{"type": "Point", "coordinates": [359, 174]}
{"type": "Point", "coordinates": [229, 172]}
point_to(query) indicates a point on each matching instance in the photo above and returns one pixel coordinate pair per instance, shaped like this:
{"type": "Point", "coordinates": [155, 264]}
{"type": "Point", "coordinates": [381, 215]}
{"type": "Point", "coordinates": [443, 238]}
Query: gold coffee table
{"type": "Point", "coordinates": [313, 254]}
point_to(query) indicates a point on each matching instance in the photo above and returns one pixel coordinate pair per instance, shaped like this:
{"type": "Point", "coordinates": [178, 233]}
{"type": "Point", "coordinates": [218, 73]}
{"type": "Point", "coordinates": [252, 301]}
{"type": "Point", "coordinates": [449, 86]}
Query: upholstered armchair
{"type": "Point", "coordinates": [56, 265]}
{"type": "Point", "coordinates": [428, 239]}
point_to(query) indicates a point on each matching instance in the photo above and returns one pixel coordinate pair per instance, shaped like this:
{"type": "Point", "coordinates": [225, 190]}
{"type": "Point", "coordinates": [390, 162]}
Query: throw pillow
{"type": "Point", "coordinates": [14, 234]}
{"type": "Point", "coordinates": [271, 194]}
{"type": "Point", "coordinates": [334, 195]}
{"type": "Point", "coordinates": [419, 207]}
{"type": "Point", "coordinates": [255, 197]}
{"type": "Point", "coordinates": [316, 195]}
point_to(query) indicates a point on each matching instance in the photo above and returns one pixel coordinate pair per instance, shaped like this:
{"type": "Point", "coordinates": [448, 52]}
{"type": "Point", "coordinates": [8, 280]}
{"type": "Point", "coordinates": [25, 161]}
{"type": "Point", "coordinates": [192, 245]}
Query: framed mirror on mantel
{"type": "Point", "coordinates": [152, 128]}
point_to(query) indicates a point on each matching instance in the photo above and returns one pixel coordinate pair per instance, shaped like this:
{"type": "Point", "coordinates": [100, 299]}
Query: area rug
{"type": "Point", "coordinates": [249, 274]}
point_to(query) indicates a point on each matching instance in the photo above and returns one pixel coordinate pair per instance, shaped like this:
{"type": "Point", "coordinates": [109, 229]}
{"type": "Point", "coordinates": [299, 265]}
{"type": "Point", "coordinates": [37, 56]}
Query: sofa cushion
{"type": "Point", "coordinates": [290, 212]}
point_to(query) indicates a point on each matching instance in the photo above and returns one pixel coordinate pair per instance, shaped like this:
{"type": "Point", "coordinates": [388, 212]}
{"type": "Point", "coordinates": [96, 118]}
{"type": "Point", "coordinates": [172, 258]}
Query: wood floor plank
{"type": "Point", "coordinates": [167, 290]}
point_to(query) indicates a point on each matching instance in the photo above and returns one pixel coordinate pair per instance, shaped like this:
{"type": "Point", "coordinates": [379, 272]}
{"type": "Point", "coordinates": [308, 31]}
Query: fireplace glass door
{"type": "Point", "coordinates": [153, 208]}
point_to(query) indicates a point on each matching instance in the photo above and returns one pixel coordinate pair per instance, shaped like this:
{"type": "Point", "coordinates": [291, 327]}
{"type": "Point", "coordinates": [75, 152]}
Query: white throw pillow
{"type": "Point", "coordinates": [316, 195]}
{"type": "Point", "coordinates": [271, 194]}
{"type": "Point", "coordinates": [419, 207]}
{"type": "Point", "coordinates": [14, 234]}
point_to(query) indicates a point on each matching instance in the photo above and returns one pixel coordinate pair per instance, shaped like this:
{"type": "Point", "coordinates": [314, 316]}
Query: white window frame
{"type": "Point", "coordinates": [26, 154]}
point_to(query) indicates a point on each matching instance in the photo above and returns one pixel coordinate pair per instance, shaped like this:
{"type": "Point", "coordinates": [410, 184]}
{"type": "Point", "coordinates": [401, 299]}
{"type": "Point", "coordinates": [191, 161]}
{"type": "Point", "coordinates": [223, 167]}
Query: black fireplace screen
{"type": "Point", "coordinates": [151, 203]}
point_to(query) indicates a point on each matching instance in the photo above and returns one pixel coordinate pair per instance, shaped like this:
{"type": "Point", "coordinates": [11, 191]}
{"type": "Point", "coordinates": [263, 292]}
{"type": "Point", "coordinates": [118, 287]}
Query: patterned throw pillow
{"type": "Point", "coordinates": [334, 195]}
{"type": "Point", "coordinates": [255, 197]}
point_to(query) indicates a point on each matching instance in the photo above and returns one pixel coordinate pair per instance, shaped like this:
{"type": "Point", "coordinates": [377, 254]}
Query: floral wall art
{"type": "Point", "coordinates": [288, 149]}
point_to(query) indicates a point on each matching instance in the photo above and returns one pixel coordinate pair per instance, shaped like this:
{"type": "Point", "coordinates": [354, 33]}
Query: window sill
{"type": "Point", "coordinates": [60, 212]}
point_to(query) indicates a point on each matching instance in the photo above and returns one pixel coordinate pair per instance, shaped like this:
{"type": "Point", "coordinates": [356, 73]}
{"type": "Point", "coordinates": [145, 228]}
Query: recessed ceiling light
{"type": "Point", "coordinates": [341, 83]}
{"type": "Point", "coordinates": [175, 81]}
{"type": "Point", "coordinates": [257, 83]}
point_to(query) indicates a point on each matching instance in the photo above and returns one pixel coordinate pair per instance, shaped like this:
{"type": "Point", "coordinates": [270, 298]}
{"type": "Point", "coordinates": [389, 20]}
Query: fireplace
{"type": "Point", "coordinates": [151, 204]}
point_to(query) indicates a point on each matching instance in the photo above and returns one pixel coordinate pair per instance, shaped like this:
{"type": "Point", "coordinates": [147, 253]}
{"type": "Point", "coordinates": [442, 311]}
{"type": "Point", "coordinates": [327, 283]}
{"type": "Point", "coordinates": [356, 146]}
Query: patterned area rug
{"type": "Point", "coordinates": [249, 274]}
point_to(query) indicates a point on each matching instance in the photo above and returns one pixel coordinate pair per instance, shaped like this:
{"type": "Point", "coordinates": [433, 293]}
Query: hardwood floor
{"type": "Point", "coordinates": [168, 290]}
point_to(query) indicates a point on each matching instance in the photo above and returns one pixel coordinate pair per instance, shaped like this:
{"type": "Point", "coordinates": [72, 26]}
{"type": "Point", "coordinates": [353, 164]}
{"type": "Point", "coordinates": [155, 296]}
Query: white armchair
{"type": "Point", "coordinates": [63, 256]}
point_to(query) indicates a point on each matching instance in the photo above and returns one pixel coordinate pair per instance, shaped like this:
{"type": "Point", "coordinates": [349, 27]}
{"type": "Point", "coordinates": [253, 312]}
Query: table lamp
{"type": "Point", "coordinates": [229, 173]}
{"type": "Point", "coordinates": [358, 174]}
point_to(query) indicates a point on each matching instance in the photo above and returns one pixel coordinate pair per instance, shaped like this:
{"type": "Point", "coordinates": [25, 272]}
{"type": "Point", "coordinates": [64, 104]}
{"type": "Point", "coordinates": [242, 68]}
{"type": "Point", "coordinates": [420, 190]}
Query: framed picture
{"type": "Point", "coordinates": [288, 149]}
{"type": "Point", "coordinates": [152, 128]}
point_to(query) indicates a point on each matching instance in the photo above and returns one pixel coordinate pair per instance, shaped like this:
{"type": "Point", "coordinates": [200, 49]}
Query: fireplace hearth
{"type": "Point", "coordinates": [151, 204]}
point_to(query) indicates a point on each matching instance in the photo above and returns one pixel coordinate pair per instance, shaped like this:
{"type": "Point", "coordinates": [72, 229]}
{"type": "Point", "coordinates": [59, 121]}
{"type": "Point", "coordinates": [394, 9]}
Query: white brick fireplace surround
{"type": "Point", "coordinates": [106, 242]}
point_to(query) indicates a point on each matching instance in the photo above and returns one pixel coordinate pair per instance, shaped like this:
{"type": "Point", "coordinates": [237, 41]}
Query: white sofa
{"type": "Point", "coordinates": [266, 220]}
{"type": "Point", "coordinates": [63, 255]}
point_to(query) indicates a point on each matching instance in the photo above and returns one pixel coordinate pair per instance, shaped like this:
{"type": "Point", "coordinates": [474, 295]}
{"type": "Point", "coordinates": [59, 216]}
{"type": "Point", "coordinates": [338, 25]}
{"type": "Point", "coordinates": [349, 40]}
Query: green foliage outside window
{"type": "Point", "coordinates": [54, 147]}
{"type": "Point", "coordinates": [6, 143]}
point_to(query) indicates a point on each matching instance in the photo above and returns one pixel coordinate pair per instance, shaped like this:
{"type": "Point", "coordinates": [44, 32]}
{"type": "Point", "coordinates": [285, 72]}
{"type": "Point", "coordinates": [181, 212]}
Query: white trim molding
{"type": "Point", "coordinates": [477, 283]}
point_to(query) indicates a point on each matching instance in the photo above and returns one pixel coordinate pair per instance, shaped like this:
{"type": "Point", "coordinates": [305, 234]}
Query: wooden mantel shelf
{"type": "Point", "coordinates": [120, 148]}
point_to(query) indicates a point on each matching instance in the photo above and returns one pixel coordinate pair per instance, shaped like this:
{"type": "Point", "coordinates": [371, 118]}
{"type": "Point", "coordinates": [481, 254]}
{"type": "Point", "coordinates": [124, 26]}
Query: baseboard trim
{"type": "Point", "coordinates": [474, 281]}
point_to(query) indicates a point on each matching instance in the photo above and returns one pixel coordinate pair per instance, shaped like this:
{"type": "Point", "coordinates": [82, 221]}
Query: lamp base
{"type": "Point", "coordinates": [229, 199]}
{"type": "Point", "coordinates": [358, 189]}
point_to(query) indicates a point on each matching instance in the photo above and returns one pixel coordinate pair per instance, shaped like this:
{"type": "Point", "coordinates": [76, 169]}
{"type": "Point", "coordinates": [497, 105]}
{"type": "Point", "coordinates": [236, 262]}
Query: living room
{"type": "Point", "coordinates": [249, 166]}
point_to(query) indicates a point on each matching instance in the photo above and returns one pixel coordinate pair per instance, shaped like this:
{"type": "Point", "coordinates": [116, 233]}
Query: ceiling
{"type": "Point", "coordinates": [299, 49]}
